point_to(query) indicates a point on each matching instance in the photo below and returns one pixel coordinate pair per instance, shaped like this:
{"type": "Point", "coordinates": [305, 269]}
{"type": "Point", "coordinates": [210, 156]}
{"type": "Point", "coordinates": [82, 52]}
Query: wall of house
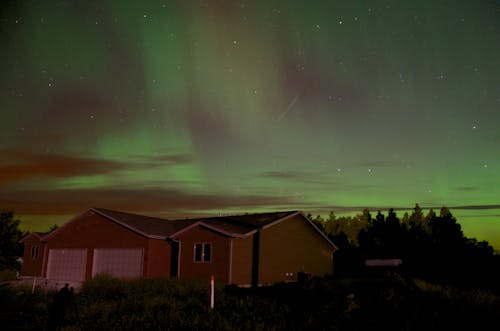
{"type": "Point", "coordinates": [91, 230]}
{"type": "Point", "coordinates": [158, 258]}
{"type": "Point", "coordinates": [292, 246]}
{"type": "Point", "coordinates": [202, 270]}
{"type": "Point", "coordinates": [241, 262]}
{"type": "Point", "coordinates": [30, 266]}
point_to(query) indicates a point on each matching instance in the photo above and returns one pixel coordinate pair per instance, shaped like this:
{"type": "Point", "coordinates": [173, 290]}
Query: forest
{"type": "Point", "coordinates": [446, 281]}
{"type": "Point", "coordinates": [431, 246]}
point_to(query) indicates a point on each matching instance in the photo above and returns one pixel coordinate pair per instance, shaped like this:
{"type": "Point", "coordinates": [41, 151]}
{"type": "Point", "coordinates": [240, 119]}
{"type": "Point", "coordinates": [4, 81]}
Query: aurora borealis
{"type": "Point", "coordinates": [183, 108]}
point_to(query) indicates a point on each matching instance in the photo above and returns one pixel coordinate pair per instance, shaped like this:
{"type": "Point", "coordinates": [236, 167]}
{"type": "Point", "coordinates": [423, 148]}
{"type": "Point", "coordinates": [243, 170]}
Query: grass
{"type": "Point", "coordinates": [391, 302]}
{"type": "Point", "coordinates": [7, 275]}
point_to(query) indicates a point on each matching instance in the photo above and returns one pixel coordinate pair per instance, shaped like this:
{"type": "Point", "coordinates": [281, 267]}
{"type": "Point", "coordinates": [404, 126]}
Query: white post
{"type": "Point", "coordinates": [34, 284]}
{"type": "Point", "coordinates": [212, 294]}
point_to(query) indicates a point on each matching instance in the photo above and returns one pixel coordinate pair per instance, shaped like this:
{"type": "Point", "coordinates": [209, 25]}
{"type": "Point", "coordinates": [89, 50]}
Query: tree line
{"type": "Point", "coordinates": [430, 245]}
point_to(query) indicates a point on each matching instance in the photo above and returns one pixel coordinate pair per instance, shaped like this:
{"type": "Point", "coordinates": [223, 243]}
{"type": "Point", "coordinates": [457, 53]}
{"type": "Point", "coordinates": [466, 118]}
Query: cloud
{"type": "Point", "coordinates": [283, 175]}
{"type": "Point", "coordinates": [352, 209]}
{"type": "Point", "coordinates": [18, 166]}
{"type": "Point", "coordinates": [150, 200]}
{"type": "Point", "coordinates": [169, 159]}
{"type": "Point", "coordinates": [475, 207]}
{"type": "Point", "coordinates": [380, 164]}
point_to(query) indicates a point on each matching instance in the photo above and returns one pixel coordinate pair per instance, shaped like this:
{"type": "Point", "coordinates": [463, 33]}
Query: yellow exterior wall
{"type": "Point", "coordinates": [293, 246]}
{"type": "Point", "coordinates": [241, 262]}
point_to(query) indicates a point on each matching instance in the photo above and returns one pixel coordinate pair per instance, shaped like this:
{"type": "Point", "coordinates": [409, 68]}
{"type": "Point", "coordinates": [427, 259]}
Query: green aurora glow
{"type": "Point", "coordinates": [181, 108]}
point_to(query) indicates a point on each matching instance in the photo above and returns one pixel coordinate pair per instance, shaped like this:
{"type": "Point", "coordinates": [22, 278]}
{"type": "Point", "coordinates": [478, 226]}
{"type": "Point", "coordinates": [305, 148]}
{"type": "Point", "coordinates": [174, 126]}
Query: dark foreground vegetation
{"type": "Point", "coordinates": [388, 302]}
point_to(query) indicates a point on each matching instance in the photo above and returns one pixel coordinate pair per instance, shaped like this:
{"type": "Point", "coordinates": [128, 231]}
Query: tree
{"type": "Point", "coordinates": [10, 234]}
{"type": "Point", "coordinates": [446, 232]}
{"type": "Point", "coordinates": [53, 227]}
{"type": "Point", "coordinates": [318, 221]}
{"type": "Point", "coordinates": [385, 237]}
{"type": "Point", "coordinates": [431, 246]}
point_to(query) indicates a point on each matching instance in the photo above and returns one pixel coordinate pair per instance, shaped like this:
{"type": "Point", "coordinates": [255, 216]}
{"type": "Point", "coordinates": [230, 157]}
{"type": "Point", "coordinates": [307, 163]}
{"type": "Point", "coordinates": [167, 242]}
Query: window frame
{"type": "Point", "coordinates": [34, 252]}
{"type": "Point", "coordinates": [202, 249]}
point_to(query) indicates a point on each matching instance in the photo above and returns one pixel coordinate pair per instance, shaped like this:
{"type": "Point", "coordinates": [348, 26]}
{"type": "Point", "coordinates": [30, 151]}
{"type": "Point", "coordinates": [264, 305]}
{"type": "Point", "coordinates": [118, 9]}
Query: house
{"type": "Point", "coordinates": [32, 259]}
{"type": "Point", "coordinates": [250, 249]}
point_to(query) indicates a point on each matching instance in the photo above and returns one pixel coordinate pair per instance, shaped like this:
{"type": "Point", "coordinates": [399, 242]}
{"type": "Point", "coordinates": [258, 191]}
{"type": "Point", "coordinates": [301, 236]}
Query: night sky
{"type": "Point", "coordinates": [185, 108]}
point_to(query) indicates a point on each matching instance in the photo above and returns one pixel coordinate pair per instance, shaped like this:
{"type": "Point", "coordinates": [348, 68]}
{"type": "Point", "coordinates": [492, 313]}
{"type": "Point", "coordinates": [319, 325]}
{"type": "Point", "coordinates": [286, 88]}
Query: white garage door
{"type": "Point", "coordinates": [67, 264]}
{"type": "Point", "coordinates": [118, 262]}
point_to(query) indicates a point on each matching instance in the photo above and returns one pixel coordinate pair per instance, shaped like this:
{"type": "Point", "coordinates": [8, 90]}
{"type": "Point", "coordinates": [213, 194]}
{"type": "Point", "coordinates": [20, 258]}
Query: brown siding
{"type": "Point", "coordinates": [158, 259]}
{"type": "Point", "coordinates": [91, 230]}
{"type": "Point", "coordinates": [32, 267]}
{"type": "Point", "coordinates": [220, 255]}
{"type": "Point", "coordinates": [242, 261]}
{"type": "Point", "coordinates": [293, 246]}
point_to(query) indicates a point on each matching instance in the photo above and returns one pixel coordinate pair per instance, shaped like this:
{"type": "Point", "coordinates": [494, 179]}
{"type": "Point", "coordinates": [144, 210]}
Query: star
{"type": "Point", "coordinates": [213, 83]}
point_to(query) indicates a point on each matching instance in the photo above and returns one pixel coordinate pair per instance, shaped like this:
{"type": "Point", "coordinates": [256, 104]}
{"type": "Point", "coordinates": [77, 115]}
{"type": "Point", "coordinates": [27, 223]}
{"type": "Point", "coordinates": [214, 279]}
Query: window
{"type": "Point", "coordinates": [34, 252]}
{"type": "Point", "coordinates": [203, 252]}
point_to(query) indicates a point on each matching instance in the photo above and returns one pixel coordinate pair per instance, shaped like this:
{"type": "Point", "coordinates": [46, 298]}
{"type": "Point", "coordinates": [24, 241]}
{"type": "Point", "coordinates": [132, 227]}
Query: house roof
{"type": "Point", "coordinates": [39, 235]}
{"type": "Point", "coordinates": [148, 226]}
{"type": "Point", "coordinates": [236, 226]}
{"type": "Point", "coordinates": [233, 226]}
{"type": "Point", "coordinates": [248, 221]}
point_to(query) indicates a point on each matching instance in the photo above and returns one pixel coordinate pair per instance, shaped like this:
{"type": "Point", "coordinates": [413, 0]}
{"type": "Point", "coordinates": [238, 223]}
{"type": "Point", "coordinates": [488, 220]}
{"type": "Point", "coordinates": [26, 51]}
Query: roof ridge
{"type": "Point", "coordinates": [103, 213]}
{"type": "Point", "coordinates": [251, 224]}
{"type": "Point", "coordinates": [149, 226]}
{"type": "Point", "coordinates": [104, 210]}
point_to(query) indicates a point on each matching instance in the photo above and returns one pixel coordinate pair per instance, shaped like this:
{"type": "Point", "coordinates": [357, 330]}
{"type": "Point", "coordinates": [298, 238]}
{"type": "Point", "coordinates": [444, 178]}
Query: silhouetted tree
{"type": "Point", "coordinates": [445, 230]}
{"type": "Point", "coordinates": [10, 234]}
{"type": "Point", "coordinates": [380, 217]}
{"type": "Point", "coordinates": [350, 226]}
{"type": "Point", "coordinates": [417, 216]}
{"type": "Point", "coordinates": [384, 237]}
{"type": "Point", "coordinates": [53, 227]}
{"type": "Point", "coordinates": [318, 221]}
{"type": "Point", "coordinates": [431, 246]}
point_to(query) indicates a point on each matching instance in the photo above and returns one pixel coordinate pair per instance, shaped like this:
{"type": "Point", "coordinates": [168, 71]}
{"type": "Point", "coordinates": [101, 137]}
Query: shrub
{"type": "Point", "coordinates": [105, 303]}
{"type": "Point", "coordinates": [22, 310]}
{"type": "Point", "coordinates": [8, 275]}
{"type": "Point", "coordinates": [389, 303]}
